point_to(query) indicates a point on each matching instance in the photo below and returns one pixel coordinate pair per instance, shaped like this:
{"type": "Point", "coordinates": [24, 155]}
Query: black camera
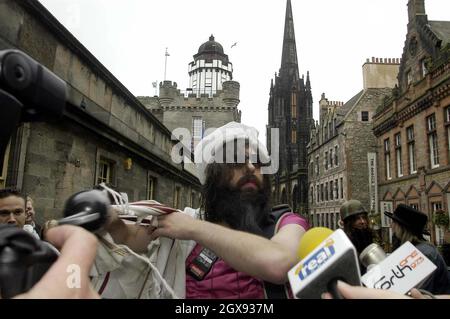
{"type": "Point", "coordinates": [23, 260]}
{"type": "Point", "coordinates": [28, 92]}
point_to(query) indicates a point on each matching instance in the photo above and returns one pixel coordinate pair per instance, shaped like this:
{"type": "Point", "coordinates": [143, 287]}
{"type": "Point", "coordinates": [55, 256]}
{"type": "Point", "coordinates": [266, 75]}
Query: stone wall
{"type": "Point", "coordinates": [102, 120]}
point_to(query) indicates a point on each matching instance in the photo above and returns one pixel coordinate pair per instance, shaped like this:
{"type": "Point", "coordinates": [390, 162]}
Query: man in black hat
{"type": "Point", "coordinates": [408, 224]}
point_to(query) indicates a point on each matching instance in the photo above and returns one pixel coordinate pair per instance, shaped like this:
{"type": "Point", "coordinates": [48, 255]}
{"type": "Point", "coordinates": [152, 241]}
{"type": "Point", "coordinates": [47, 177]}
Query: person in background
{"type": "Point", "coordinates": [355, 221]}
{"type": "Point", "coordinates": [30, 220]}
{"type": "Point", "coordinates": [12, 208]}
{"type": "Point", "coordinates": [409, 224]}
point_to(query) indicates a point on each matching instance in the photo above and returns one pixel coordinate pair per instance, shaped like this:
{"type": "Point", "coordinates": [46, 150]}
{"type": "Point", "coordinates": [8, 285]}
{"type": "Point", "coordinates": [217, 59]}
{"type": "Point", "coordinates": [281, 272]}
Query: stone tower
{"type": "Point", "coordinates": [211, 101]}
{"type": "Point", "coordinates": [290, 111]}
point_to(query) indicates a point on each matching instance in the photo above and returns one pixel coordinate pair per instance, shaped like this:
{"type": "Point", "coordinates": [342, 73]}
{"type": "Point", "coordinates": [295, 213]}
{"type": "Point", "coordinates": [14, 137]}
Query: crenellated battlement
{"type": "Point", "coordinates": [384, 60]}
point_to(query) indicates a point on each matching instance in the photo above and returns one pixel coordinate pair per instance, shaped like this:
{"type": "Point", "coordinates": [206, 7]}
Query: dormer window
{"type": "Point", "coordinates": [408, 78]}
{"type": "Point", "coordinates": [423, 67]}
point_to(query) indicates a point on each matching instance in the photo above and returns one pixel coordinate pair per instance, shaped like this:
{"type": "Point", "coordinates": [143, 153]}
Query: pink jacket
{"type": "Point", "coordinates": [223, 282]}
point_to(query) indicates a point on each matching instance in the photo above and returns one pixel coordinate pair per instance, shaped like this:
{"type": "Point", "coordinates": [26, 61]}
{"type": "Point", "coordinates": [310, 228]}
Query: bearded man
{"type": "Point", "coordinates": [244, 248]}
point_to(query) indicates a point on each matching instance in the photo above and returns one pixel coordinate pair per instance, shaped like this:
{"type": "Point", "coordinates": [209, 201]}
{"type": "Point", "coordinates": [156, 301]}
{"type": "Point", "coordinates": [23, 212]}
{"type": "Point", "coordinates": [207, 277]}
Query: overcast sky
{"type": "Point", "coordinates": [334, 39]}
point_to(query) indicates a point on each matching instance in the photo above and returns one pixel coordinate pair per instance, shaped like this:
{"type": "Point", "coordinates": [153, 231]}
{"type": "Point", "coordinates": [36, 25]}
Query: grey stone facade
{"type": "Point", "coordinates": [105, 129]}
{"type": "Point", "coordinates": [341, 144]}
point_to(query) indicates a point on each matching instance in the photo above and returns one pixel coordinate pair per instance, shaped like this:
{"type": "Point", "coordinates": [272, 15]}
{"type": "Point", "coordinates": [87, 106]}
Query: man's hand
{"type": "Point", "coordinates": [78, 248]}
{"type": "Point", "coordinates": [176, 225]}
{"type": "Point", "coordinates": [355, 292]}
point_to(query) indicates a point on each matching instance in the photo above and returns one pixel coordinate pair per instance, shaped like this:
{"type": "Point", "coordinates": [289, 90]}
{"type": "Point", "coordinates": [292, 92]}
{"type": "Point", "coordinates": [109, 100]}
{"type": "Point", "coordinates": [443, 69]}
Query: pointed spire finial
{"type": "Point", "coordinates": [289, 57]}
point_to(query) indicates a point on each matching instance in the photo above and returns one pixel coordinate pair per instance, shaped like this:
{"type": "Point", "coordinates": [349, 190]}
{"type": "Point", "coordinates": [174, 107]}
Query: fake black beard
{"type": "Point", "coordinates": [245, 211]}
{"type": "Point", "coordinates": [361, 238]}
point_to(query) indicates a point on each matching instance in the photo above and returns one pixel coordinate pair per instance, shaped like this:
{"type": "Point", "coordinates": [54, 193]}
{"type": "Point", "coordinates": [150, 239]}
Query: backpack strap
{"type": "Point", "coordinates": [274, 291]}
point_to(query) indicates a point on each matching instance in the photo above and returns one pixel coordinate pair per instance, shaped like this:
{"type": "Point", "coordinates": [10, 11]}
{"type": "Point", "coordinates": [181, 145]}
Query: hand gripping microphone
{"type": "Point", "coordinates": [401, 271]}
{"type": "Point", "coordinates": [334, 259]}
{"type": "Point", "coordinates": [24, 259]}
{"type": "Point", "coordinates": [87, 209]}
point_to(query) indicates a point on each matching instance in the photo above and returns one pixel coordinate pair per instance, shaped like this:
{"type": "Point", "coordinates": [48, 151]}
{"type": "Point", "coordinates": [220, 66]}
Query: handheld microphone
{"type": "Point", "coordinates": [372, 255]}
{"type": "Point", "coordinates": [87, 209]}
{"type": "Point", "coordinates": [401, 271]}
{"type": "Point", "coordinates": [334, 259]}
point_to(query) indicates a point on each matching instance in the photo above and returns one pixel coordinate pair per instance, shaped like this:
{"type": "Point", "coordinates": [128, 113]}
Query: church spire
{"type": "Point", "coordinates": [289, 63]}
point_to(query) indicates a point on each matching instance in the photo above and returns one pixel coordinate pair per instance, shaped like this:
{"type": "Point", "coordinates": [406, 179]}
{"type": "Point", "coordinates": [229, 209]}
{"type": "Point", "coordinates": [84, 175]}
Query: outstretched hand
{"type": "Point", "coordinates": [69, 276]}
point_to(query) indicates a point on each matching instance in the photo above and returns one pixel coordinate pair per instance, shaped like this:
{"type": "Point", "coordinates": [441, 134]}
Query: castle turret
{"type": "Point", "coordinates": [210, 68]}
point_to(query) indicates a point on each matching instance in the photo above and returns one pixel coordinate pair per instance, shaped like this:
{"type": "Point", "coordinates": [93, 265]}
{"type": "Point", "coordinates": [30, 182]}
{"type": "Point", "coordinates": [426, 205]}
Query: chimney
{"type": "Point", "coordinates": [380, 73]}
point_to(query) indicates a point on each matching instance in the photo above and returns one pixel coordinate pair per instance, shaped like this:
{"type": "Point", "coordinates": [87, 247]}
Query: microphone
{"type": "Point", "coordinates": [406, 268]}
{"type": "Point", "coordinates": [311, 239]}
{"type": "Point", "coordinates": [335, 258]}
{"type": "Point", "coordinates": [372, 255]}
{"type": "Point", "coordinates": [87, 209]}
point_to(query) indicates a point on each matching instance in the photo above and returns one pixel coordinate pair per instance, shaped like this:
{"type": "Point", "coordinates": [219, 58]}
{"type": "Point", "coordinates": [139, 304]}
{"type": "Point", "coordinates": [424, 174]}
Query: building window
{"type": "Point", "coordinates": [197, 131]}
{"type": "Point", "coordinates": [408, 78]}
{"type": "Point", "coordinates": [336, 156]}
{"type": "Point", "coordinates": [151, 184]}
{"type": "Point", "coordinates": [177, 197]}
{"type": "Point", "coordinates": [317, 166]}
{"type": "Point", "coordinates": [105, 172]}
{"type": "Point", "coordinates": [433, 141]}
{"type": "Point", "coordinates": [387, 158]}
{"type": "Point", "coordinates": [398, 154]}
{"type": "Point", "coordinates": [411, 150]}
{"type": "Point", "coordinates": [294, 136]}
{"type": "Point", "coordinates": [331, 158]}
{"type": "Point", "coordinates": [331, 191]}
{"type": "Point", "coordinates": [336, 187]}
{"type": "Point", "coordinates": [317, 194]}
{"type": "Point", "coordinates": [423, 66]}
{"type": "Point", "coordinates": [326, 160]}
{"type": "Point", "coordinates": [447, 124]}
{"type": "Point", "coordinates": [342, 187]}
{"type": "Point", "coordinates": [365, 116]}
{"type": "Point", "coordinates": [312, 194]}
{"type": "Point", "coordinates": [321, 193]}
{"type": "Point", "coordinates": [326, 191]}
{"type": "Point", "coordinates": [415, 206]}
{"type": "Point", "coordinates": [4, 167]}
{"type": "Point", "coordinates": [294, 105]}
{"type": "Point", "coordinates": [436, 206]}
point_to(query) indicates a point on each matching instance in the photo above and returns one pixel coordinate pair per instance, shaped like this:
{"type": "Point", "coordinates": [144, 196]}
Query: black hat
{"type": "Point", "coordinates": [410, 218]}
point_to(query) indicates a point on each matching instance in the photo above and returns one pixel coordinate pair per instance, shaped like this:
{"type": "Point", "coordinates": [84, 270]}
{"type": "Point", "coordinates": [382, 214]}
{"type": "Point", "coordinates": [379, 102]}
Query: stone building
{"type": "Point", "coordinates": [290, 111]}
{"type": "Point", "coordinates": [105, 135]}
{"type": "Point", "coordinates": [342, 148]}
{"type": "Point", "coordinates": [412, 126]}
{"type": "Point", "coordinates": [210, 102]}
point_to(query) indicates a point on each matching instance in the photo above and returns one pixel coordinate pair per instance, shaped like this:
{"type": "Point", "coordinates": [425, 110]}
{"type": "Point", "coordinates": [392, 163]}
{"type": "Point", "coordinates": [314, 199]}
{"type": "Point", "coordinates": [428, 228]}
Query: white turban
{"type": "Point", "coordinates": [211, 147]}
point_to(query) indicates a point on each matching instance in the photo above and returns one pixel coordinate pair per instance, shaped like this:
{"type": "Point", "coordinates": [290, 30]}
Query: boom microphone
{"type": "Point", "coordinates": [334, 259]}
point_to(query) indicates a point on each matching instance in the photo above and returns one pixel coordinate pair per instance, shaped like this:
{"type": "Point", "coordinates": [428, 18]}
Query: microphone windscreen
{"type": "Point", "coordinates": [311, 239]}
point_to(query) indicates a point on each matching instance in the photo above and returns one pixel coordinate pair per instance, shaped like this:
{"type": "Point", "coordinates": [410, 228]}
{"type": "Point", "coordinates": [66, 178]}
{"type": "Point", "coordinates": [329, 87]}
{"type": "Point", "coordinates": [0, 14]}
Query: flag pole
{"type": "Point", "coordinates": [165, 65]}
